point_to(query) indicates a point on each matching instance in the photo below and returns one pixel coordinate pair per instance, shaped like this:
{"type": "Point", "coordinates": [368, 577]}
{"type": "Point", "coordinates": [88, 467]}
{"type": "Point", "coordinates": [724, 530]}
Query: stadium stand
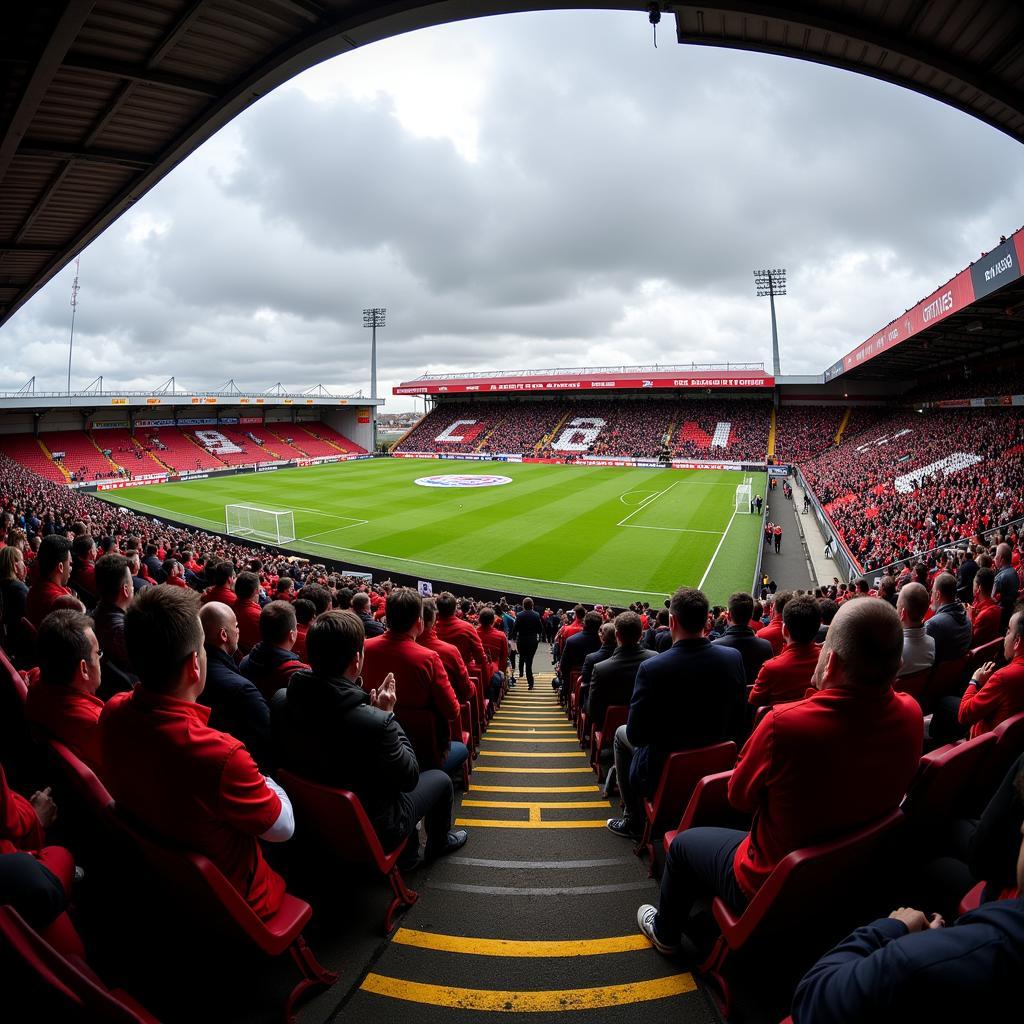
{"type": "Point", "coordinates": [178, 450]}
{"type": "Point", "coordinates": [27, 451]}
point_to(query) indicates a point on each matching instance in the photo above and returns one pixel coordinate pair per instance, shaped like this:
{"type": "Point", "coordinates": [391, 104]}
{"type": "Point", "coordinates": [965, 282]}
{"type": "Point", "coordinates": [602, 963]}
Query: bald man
{"type": "Point", "coordinates": [236, 705]}
{"type": "Point", "coordinates": [918, 647]}
{"type": "Point", "coordinates": [812, 770]}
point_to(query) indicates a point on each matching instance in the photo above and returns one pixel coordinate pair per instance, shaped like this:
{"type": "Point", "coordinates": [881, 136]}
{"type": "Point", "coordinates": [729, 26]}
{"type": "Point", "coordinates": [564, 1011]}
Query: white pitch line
{"type": "Point", "coordinates": [671, 529]}
{"type": "Point", "coordinates": [644, 504]}
{"type": "Point", "coordinates": [707, 571]}
{"type": "Point", "coordinates": [336, 529]}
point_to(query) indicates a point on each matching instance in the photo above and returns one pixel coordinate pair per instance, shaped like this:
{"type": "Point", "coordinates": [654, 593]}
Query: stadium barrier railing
{"type": "Point", "coordinates": [842, 556]}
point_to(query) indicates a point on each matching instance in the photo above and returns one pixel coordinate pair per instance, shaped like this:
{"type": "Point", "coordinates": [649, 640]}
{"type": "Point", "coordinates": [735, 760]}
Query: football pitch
{"type": "Point", "coordinates": [587, 533]}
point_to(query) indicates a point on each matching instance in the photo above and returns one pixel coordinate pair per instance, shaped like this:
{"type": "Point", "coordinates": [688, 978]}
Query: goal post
{"type": "Point", "coordinates": [744, 496]}
{"type": "Point", "coordinates": [273, 525]}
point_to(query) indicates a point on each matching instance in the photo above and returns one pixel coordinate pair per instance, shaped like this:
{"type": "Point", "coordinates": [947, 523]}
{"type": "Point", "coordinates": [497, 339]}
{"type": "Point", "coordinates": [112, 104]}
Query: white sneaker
{"type": "Point", "coordinates": [645, 919]}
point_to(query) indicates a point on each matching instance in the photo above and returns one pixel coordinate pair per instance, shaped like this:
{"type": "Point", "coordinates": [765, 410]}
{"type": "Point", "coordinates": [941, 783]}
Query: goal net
{"type": "Point", "coordinates": [744, 496]}
{"type": "Point", "coordinates": [259, 523]}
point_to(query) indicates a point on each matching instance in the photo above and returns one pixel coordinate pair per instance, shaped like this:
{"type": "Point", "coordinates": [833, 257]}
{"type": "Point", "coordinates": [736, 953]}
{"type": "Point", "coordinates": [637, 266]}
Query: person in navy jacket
{"type": "Point", "coordinates": [909, 966]}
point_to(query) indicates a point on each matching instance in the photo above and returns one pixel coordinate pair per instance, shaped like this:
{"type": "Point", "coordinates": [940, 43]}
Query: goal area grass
{"type": "Point", "coordinates": [560, 532]}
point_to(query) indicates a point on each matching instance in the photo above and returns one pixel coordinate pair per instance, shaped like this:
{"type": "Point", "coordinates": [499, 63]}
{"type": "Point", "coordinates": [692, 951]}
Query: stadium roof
{"type": "Point", "coordinates": [100, 99]}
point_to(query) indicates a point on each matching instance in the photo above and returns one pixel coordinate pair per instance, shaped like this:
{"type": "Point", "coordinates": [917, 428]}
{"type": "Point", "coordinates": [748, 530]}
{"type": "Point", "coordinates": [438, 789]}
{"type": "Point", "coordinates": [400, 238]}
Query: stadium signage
{"type": "Point", "coordinates": [999, 267]}
{"type": "Point", "coordinates": [562, 382]}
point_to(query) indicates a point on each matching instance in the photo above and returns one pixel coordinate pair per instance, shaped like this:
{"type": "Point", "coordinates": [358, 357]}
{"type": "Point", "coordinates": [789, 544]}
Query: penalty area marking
{"type": "Point", "coordinates": [629, 504]}
{"type": "Point", "coordinates": [644, 504]}
{"type": "Point", "coordinates": [707, 571]}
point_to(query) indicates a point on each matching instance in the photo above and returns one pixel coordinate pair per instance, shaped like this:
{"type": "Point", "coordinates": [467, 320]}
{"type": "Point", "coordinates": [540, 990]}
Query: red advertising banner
{"type": "Point", "coordinates": [588, 382]}
{"type": "Point", "coordinates": [250, 421]}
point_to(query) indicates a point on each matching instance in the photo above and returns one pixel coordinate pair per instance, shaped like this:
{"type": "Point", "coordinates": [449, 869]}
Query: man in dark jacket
{"type": "Point", "coordinates": [271, 663]}
{"type": "Point", "coordinates": [949, 627]}
{"type": "Point", "coordinates": [658, 637]}
{"type": "Point", "coordinates": [740, 637]}
{"type": "Point", "coordinates": [361, 606]}
{"type": "Point", "coordinates": [612, 680]}
{"type": "Point", "coordinates": [113, 581]}
{"type": "Point", "coordinates": [683, 699]}
{"type": "Point", "coordinates": [527, 632]}
{"type": "Point", "coordinates": [603, 653]}
{"type": "Point", "coordinates": [965, 574]}
{"type": "Point", "coordinates": [576, 649]}
{"type": "Point", "coordinates": [236, 706]}
{"type": "Point", "coordinates": [329, 730]}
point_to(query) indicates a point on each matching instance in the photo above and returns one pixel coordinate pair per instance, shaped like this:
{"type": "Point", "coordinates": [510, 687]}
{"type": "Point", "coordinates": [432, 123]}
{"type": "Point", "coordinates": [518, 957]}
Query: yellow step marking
{"type": "Point", "coordinates": [515, 729]}
{"type": "Point", "coordinates": [477, 788]}
{"type": "Point", "coordinates": [539, 1001]}
{"type": "Point", "coordinates": [508, 770]}
{"type": "Point", "coordinates": [517, 948]}
{"type": "Point", "coordinates": [572, 738]}
{"type": "Point", "coordinates": [545, 804]}
{"type": "Point", "coordinates": [534, 813]}
{"type": "Point", "coordinates": [499, 823]}
{"type": "Point", "coordinates": [523, 753]}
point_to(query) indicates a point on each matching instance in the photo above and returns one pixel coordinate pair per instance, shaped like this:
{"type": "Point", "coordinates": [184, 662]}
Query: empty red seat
{"type": "Point", "coordinates": [601, 739]}
{"type": "Point", "coordinates": [945, 780]}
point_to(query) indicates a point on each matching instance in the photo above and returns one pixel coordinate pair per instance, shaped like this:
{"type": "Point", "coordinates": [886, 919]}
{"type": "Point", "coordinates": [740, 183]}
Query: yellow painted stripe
{"type": "Point", "coordinates": [544, 805]}
{"type": "Point", "coordinates": [498, 823]}
{"type": "Point", "coordinates": [523, 753]}
{"type": "Point", "coordinates": [477, 788]}
{"type": "Point", "coordinates": [530, 726]}
{"type": "Point", "coordinates": [532, 771]}
{"type": "Point", "coordinates": [549, 1001]}
{"type": "Point", "coordinates": [512, 947]}
{"type": "Point", "coordinates": [572, 738]}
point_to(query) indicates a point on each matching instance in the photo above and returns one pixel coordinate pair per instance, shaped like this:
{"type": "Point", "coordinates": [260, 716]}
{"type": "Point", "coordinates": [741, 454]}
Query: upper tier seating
{"type": "Point", "coordinates": [25, 450]}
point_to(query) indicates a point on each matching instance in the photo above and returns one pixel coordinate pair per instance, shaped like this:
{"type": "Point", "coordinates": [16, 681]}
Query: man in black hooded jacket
{"type": "Point", "coordinates": [328, 729]}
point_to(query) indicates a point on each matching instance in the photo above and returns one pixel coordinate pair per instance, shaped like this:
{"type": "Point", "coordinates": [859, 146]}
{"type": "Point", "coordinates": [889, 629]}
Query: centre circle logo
{"type": "Point", "coordinates": [463, 480]}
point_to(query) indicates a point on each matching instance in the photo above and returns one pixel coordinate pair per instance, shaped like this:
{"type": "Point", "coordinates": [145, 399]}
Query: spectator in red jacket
{"type": "Point", "coordinates": [83, 574]}
{"type": "Point", "coordinates": [273, 661]}
{"type": "Point", "coordinates": [773, 631]}
{"type": "Point", "coordinates": [495, 645]}
{"type": "Point", "coordinates": [53, 570]}
{"type": "Point", "coordinates": [247, 610]}
{"type": "Point", "coordinates": [986, 615]}
{"type": "Point", "coordinates": [787, 676]}
{"type": "Point", "coordinates": [420, 679]}
{"type": "Point", "coordinates": [305, 613]}
{"type": "Point", "coordinates": [190, 785]}
{"type": "Point", "coordinates": [174, 573]}
{"type": "Point", "coordinates": [222, 577]}
{"type": "Point", "coordinates": [994, 695]}
{"type": "Point", "coordinates": [454, 665]}
{"type": "Point", "coordinates": [812, 770]}
{"type": "Point", "coordinates": [454, 630]}
{"type": "Point", "coordinates": [63, 702]}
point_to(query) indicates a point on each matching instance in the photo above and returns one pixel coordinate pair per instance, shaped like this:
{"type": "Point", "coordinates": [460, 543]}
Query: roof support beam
{"type": "Point", "coordinates": [144, 76]}
{"type": "Point", "coordinates": [101, 156]}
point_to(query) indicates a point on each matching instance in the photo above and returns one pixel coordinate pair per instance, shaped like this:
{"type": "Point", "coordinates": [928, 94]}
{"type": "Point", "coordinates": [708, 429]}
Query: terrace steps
{"type": "Point", "coordinates": [842, 423]}
{"type": "Point", "coordinates": [46, 451]}
{"type": "Point", "coordinates": [771, 433]}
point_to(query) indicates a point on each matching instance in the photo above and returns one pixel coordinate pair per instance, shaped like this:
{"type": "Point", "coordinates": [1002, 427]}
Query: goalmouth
{"type": "Point", "coordinates": [272, 525]}
{"type": "Point", "coordinates": [745, 496]}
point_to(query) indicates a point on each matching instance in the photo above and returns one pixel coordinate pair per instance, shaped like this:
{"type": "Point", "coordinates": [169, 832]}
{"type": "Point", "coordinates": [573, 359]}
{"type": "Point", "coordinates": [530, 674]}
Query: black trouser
{"type": "Point", "coordinates": [35, 892]}
{"type": "Point", "coordinates": [432, 800]}
{"type": "Point", "coordinates": [527, 649]}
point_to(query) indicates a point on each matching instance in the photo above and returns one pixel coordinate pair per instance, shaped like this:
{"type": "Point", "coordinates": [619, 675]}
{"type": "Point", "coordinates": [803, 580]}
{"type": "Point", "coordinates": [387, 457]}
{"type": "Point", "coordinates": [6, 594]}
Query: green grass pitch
{"type": "Point", "coordinates": [594, 534]}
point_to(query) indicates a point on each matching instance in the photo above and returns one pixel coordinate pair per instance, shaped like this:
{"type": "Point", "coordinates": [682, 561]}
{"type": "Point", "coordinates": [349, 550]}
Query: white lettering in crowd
{"type": "Point", "coordinates": [720, 438]}
{"type": "Point", "coordinates": [1006, 263]}
{"type": "Point", "coordinates": [950, 464]}
{"type": "Point", "coordinates": [448, 433]}
{"type": "Point", "coordinates": [579, 435]}
{"type": "Point", "coordinates": [884, 439]}
{"type": "Point", "coordinates": [214, 441]}
{"type": "Point", "coordinates": [938, 307]}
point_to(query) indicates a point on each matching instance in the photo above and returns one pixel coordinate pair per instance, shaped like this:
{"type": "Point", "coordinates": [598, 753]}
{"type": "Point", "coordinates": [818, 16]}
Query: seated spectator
{"type": "Point", "coordinates": [52, 571]}
{"type": "Point", "coordinates": [247, 610]}
{"type": "Point", "coordinates": [191, 785]}
{"type": "Point", "coordinates": [993, 695]}
{"type": "Point", "coordinates": [686, 698]}
{"type": "Point", "coordinates": [420, 679]}
{"type": "Point", "coordinates": [918, 647]}
{"type": "Point", "coordinates": [222, 580]}
{"type": "Point", "coordinates": [828, 609]}
{"type": "Point", "coordinates": [236, 706]}
{"type": "Point", "coordinates": [13, 598]}
{"type": "Point", "coordinates": [83, 558]}
{"type": "Point", "coordinates": [738, 635]}
{"type": "Point", "coordinates": [33, 890]}
{"type": "Point", "coordinates": [986, 614]}
{"type": "Point", "coordinates": [612, 679]}
{"type": "Point", "coordinates": [305, 613]}
{"type": "Point", "coordinates": [576, 647]}
{"type": "Point", "coordinates": [453, 630]}
{"type": "Point", "coordinates": [329, 730]}
{"type": "Point", "coordinates": [115, 589]}
{"type": "Point", "coordinates": [454, 666]}
{"type": "Point", "coordinates": [603, 653]}
{"type": "Point", "coordinates": [1007, 582]}
{"type": "Point", "coordinates": [949, 627]}
{"type": "Point", "coordinates": [966, 573]}
{"type": "Point", "coordinates": [174, 574]}
{"type": "Point", "coordinates": [361, 606]}
{"type": "Point", "coordinates": [812, 770]}
{"type": "Point", "coordinates": [319, 596]}
{"type": "Point", "coordinates": [773, 631]}
{"type": "Point", "coordinates": [63, 701]}
{"type": "Point", "coordinates": [152, 562]}
{"type": "Point", "coordinates": [139, 582]}
{"type": "Point", "coordinates": [495, 645]}
{"type": "Point", "coordinates": [272, 662]}
{"type": "Point", "coordinates": [910, 966]}
{"type": "Point", "coordinates": [787, 676]}
{"type": "Point", "coordinates": [658, 637]}
{"type": "Point", "coordinates": [285, 589]}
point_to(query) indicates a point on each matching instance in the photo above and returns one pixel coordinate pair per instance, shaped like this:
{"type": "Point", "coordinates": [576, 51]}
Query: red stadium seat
{"type": "Point", "coordinates": [992, 651]}
{"type": "Point", "coordinates": [337, 819]}
{"type": "Point", "coordinates": [709, 805]}
{"type": "Point", "coordinates": [945, 680]}
{"type": "Point", "coordinates": [790, 900]}
{"type": "Point", "coordinates": [679, 777]}
{"type": "Point", "coordinates": [971, 900]}
{"type": "Point", "coordinates": [913, 683]}
{"type": "Point", "coordinates": [945, 779]}
{"type": "Point", "coordinates": [601, 739]}
{"type": "Point", "coordinates": [54, 984]}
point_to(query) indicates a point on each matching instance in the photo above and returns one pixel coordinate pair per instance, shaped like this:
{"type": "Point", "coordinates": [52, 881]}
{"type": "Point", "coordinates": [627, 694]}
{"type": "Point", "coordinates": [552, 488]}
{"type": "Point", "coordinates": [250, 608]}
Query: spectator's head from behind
{"type": "Point", "coordinates": [305, 611]}
{"type": "Point", "coordinates": [801, 619]}
{"type": "Point", "coordinates": [863, 649]}
{"type": "Point", "coordinates": [69, 654]}
{"type": "Point", "coordinates": [446, 605]}
{"type": "Point", "coordinates": [943, 590]}
{"type": "Point", "coordinates": [1013, 646]}
{"type": "Point", "coordinates": [628, 629]}
{"type": "Point", "coordinates": [828, 609]}
{"type": "Point", "coordinates": [782, 598]}
{"type": "Point", "coordinates": [429, 613]}
{"type": "Point", "coordinates": [279, 625]}
{"type": "Point", "coordinates": [607, 634]}
{"type": "Point", "coordinates": [487, 617]}
{"type": "Point", "coordinates": [361, 603]}
{"type": "Point", "coordinates": [114, 580]}
{"type": "Point", "coordinates": [334, 645]}
{"type": "Point", "coordinates": [984, 581]}
{"type": "Point", "coordinates": [592, 622]}
{"type": "Point", "coordinates": [1004, 556]}
{"type": "Point", "coordinates": [220, 626]}
{"type": "Point", "coordinates": [12, 564]}
{"type": "Point", "coordinates": [247, 586]}
{"type": "Point", "coordinates": [320, 596]}
{"type": "Point", "coordinates": [165, 639]}
{"type": "Point", "coordinates": [528, 604]}
{"type": "Point", "coordinates": [404, 610]}
{"type": "Point", "coordinates": [54, 559]}
{"type": "Point", "coordinates": [687, 614]}
{"type": "Point", "coordinates": [222, 574]}
{"type": "Point", "coordinates": [579, 613]}
{"type": "Point", "coordinates": [741, 609]}
{"type": "Point", "coordinates": [912, 605]}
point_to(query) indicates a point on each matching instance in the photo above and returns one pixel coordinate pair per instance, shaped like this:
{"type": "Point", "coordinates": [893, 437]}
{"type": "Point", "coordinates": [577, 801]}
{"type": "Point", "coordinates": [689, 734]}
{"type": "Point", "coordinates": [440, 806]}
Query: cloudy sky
{"type": "Point", "coordinates": [533, 190]}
